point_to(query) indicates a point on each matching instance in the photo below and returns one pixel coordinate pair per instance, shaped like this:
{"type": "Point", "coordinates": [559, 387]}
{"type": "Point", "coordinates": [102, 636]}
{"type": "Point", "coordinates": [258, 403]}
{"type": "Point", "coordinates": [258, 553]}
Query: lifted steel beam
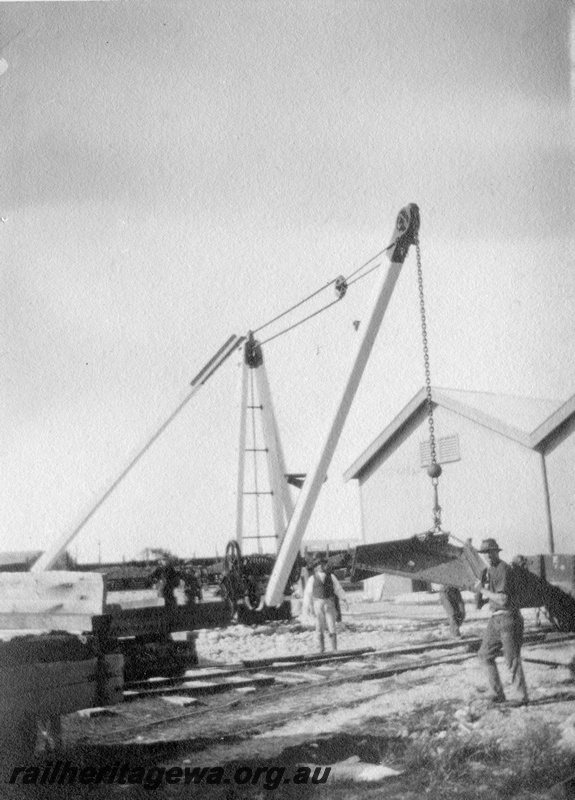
{"type": "Point", "coordinates": [429, 557]}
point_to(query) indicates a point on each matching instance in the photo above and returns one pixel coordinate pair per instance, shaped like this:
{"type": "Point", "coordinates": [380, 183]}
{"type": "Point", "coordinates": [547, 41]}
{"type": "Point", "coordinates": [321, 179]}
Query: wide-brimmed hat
{"type": "Point", "coordinates": [487, 545]}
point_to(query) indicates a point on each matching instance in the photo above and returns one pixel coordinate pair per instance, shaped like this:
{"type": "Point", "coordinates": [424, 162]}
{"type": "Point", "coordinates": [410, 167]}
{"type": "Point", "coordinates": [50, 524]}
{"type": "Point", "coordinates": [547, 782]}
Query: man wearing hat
{"type": "Point", "coordinates": [319, 601]}
{"type": "Point", "coordinates": [505, 627]}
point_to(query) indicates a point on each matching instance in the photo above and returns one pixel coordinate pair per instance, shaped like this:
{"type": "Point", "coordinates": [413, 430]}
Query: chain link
{"type": "Point", "coordinates": [425, 354]}
{"type": "Point", "coordinates": [435, 468]}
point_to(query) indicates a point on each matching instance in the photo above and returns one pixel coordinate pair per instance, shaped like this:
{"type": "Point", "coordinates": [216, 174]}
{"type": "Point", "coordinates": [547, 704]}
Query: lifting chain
{"type": "Point", "coordinates": [434, 469]}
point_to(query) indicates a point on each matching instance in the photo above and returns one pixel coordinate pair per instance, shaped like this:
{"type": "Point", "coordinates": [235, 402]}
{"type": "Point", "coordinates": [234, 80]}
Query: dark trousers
{"type": "Point", "coordinates": [170, 605]}
{"type": "Point", "coordinates": [504, 633]}
{"type": "Point", "coordinates": [452, 602]}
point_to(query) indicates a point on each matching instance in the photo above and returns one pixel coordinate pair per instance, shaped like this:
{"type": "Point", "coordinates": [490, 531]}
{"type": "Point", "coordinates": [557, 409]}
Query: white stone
{"type": "Point", "coordinates": [355, 770]}
{"type": "Point", "coordinates": [178, 700]}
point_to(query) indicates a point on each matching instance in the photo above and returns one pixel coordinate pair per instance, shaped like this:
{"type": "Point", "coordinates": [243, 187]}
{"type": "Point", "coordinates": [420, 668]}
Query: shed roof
{"type": "Point", "coordinates": [526, 420]}
{"type": "Point", "coordinates": [14, 557]}
{"type": "Point", "coordinates": [553, 421]}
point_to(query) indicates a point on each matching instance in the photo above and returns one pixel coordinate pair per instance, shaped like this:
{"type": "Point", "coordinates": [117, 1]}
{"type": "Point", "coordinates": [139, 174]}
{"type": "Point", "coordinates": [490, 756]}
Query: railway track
{"type": "Point", "coordinates": [264, 672]}
{"type": "Point", "coordinates": [297, 685]}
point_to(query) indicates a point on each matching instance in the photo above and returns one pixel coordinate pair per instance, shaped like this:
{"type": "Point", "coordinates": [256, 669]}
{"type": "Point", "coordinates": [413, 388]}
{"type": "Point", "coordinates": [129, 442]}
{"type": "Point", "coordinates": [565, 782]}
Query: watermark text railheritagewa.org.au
{"type": "Point", "coordinates": [62, 773]}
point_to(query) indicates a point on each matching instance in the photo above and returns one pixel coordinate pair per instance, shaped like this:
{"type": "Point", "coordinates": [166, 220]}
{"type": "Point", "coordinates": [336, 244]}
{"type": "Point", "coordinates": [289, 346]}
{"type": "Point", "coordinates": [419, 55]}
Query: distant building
{"type": "Point", "coordinates": [22, 560]}
{"type": "Point", "coordinates": [328, 545]}
{"type": "Point", "coordinates": [508, 471]}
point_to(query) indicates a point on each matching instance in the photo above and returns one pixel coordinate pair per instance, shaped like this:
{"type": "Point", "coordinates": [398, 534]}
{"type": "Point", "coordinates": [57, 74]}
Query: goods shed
{"type": "Point", "coordinates": [508, 471]}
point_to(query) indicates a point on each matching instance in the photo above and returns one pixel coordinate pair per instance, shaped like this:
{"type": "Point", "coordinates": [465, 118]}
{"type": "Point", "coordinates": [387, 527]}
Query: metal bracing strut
{"type": "Point", "coordinates": [52, 553]}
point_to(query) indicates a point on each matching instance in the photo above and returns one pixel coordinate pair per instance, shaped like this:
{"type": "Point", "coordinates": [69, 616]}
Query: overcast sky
{"type": "Point", "coordinates": [175, 172]}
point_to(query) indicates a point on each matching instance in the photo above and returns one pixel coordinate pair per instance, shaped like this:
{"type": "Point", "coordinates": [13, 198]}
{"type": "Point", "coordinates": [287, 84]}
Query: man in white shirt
{"type": "Point", "coordinates": [319, 601]}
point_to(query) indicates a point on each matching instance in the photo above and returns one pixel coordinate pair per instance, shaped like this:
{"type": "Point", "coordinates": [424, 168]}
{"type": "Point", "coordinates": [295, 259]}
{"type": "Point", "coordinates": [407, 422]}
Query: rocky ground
{"type": "Point", "coordinates": [449, 698]}
{"type": "Point", "coordinates": [427, 733]}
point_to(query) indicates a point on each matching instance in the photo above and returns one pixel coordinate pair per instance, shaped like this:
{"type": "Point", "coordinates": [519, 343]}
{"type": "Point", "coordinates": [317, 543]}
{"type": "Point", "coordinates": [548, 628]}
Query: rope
{"type": "Point", "coordinates": [321, 289]}
{"type": "Point", "coordinates": [297, 305]}
{"type": "Point", "coordinates": [301, 321]}
{"type": "Point", "coordinates": [365, 274]}
{"type": "Point", "coordinates": [377, 255]}
{"type": "Point", "coordinates": [323, 308]}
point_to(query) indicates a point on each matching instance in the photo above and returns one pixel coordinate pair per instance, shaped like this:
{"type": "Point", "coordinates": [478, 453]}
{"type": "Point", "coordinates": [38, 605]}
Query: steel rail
{"type": "Point", "coordinates": [124, 735]}
{"type": "Point", "coordinates": [534, 639]}
{"type": "Point", "coordinates": [303, 661]}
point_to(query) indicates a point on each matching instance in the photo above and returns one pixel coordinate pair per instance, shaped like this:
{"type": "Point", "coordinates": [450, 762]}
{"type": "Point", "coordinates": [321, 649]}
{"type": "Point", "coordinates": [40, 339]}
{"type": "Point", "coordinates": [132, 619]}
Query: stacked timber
{"type": "Point", "coordinates": [50, 663]}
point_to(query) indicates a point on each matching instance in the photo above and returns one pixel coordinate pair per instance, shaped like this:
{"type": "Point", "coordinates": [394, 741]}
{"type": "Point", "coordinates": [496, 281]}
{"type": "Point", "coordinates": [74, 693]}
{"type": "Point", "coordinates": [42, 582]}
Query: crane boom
{"type": "Point", "coordinates": [405, 234]}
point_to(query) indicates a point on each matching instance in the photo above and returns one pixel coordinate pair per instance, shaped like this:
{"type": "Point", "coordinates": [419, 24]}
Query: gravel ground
{"type": "Point", "coordinates": [389, 625]}
{"type": "Point", "coordinates": [366, 731]}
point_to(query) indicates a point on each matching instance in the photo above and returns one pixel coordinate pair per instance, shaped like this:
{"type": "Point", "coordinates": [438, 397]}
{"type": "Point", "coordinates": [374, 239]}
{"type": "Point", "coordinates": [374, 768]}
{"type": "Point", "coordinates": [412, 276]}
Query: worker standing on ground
{"type": "Point", "coordinates": [319, 601]}
{"type": "Point", "coordinates": [192, 586]}
{"type": "Point", "coordinates": [505, 627]}
{"type": "Point", "coordinates": [167, 579]}
{"type": "Point", "coordinates": [452, 602]}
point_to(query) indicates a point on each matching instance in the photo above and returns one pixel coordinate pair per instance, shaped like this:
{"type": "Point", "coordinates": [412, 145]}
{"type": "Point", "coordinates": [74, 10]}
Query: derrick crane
{"type": "Point", "coordinates": [255, 583]}
{"type": "Point", "coordinates": [290, 523]}
{"type": "Point", "coordinates": [242, 573]}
